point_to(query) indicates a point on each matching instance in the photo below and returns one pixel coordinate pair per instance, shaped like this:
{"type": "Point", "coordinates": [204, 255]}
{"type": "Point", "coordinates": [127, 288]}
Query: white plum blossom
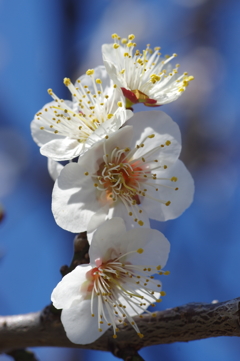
{"type": "Point", "coordinates": [116, 285]}
{"type": "Point", "coordinates": [145, 76]}
{"type": "Point", "coordinates": [134, 174]}
{"type": "Point", "coordinates": [66, 129]}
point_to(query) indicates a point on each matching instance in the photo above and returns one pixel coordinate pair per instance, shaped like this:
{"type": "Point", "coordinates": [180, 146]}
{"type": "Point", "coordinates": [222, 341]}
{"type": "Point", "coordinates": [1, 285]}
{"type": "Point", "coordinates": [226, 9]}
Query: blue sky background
{"type": "Point", "coordinates": [41, 42]}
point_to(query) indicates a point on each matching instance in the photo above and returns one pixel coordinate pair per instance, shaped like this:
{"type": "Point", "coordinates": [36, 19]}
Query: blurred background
{"type": "Point", "coordinates": [41, 42]}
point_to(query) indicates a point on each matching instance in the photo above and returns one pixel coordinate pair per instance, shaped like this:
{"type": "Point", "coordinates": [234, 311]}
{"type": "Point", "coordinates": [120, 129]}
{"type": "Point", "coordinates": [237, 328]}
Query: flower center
{"type": "Point", "coordinates": [113, 280]}
{"type": "Point", "coordinates": [122, 176]}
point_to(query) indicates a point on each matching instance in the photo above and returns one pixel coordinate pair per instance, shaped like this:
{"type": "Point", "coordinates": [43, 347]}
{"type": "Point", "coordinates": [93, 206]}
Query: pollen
{"type": "Point", "coordinates": [115, 46]}
{"type": "Point", "coordinates": [90, 72]}
{"type": "Point", "coordinates": [98, 81]}
{"type": "Point", "coordinates": [67, 81]}
{"type": "Point", "coordinates": [140, 250]}
{"type": "Point", "coordinates": [131, 37]}
{"type": "Point", "coordinates": [120, 104]}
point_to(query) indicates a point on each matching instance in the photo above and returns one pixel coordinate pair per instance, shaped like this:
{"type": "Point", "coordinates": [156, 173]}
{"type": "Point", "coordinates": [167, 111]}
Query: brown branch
{"type": "Point", "coordinates": [193, 321]}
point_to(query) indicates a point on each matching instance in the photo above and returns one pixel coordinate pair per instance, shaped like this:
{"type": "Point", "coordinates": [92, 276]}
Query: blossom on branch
{"type": "Point", "coordinates": [116, 285]}
{"type": "Point", "coordinates": [143, 77]}
{"type": "Point", "coordinates": [134, 174]}
{"type": "Point", "coordinates": [66, 129]}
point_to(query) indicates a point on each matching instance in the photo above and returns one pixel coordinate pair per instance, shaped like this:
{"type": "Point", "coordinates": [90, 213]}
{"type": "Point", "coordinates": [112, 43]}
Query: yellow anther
{"type": "Point", "coordinates": [50, 91]}
{"type": "Point", "coordinates": [130, 44]}
{"type": "Point", "coordinates": [95, 185]}
{"type": "Point", "coordinates": [168, 142]}
{"type": "Point", "coordinates": [98, 81]}
{"type": "Point", "coordinates": [154, 78]}
{"type": "Point", "coordinates": [154, 314]}
{"type": "Point", "coordinates": [115, 85]}
{"type": "Point", "coordinates": [130, 214]}
{"type": "Point", "coordinates": [126, 54]}
{"type": "Point", "coordinates": [115, 336]}
{"type": "Point", "coordinates": [109, 116]}
{"type": "Point", "coordinates": [106, 137]}
{"type": "Point", "coordinates": [158, 268]}
{"type": "Point", "coordinates": [93, 315]}
{"type": "Point", "coordinates": [190, 78]}
{"type": "Point", "coordinates": [174, 55]}
{"type": "Point", "coordinates": [140, 250]}
{"type": "Point", "coordinates": [165, 166]}
{"type": "Point", "coordinates": [122, 71]}
{"type": "Point", "coordinates": [124, 41]}
{"type": "Point", "coordinates": [55, 131]}
{"type": "Point", "coordinates": [181, 90]}
{"type": "Point", "coordinates": [166, 273]}
{"type": "Point", "coordinates": [151, 136]}
{"type": "Point", "coordinates": [100, 330]}
{"type": "Point", "coordinates": [157, 48]}
{"type": "Point", "coordinates": [131, 37]}
{"type": "Point", "coordinates": [114, 36]}
{"type": "Point", "coordinates": [41, 128]}
{"type": "Point", "coordinates": [167, 203]}
{"type": "Point", "coordinates": [162, 293]}
{"type": "Point", "coordinates": [140, 224]}
{"type": "Point", "coordinates": [67, 81]}
{"type": "Point", "coordinates": [176, 189]}
{"type": "Point", "coordinates": [120, 104]}
{"type": "Point", "coordinates": [86, 173]}
{"type": "Point", "coordinates": [140, 335]}
{"type": "Point", "coordinates": [158, 301]}
{"type": "Point", "coordinates": [90, 72]}
{"type": "Point", "coordinates": [115, 46]}
{"type": "Point", "coordinates": [174, 179]}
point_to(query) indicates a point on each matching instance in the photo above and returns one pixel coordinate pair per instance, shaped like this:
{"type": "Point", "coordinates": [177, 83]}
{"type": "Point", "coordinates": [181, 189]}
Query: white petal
{"type": "Point", "coordinates": [107, 240]}
{"type": "Point", "coordinates": [117, 210]}
{"type": "Point", "coordinates": [113, 63]}
{"type": "Point", "coordinates": [99, 73]}
{"type": "Point", "coordinates": [54, 168]}
{"type": "Point", "coordinates": [68, 289]}
{"type": "Point", "coordinates": [80, 326]}
{"type": "Point", "coordinates": [165, 129]}
{"type": "Point", "coordinates": [62, 149]}
{"type": "Point", "coordinates": [40, 136]}
{"type": "Point", "coordinates": [74, 199]}
{"type": "Point", "coordinates": [180, 199]}
{"type": "Point", "coordinates": [155, 247]}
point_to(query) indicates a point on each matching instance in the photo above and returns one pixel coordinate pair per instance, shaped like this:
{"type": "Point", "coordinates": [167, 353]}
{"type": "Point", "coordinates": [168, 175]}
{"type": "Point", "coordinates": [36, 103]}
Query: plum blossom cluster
{"type": "Point", "coordinates": [122, 170]}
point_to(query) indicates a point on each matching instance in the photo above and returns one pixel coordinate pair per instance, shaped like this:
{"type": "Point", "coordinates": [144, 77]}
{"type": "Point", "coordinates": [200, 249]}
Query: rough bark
{"type": "Point", "coordinates": [193, 321]}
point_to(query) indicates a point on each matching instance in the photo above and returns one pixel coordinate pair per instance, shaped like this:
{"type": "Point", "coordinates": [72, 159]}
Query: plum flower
{"type": "Point", "coordinates": [65, 129]}
{"type": "Point", "coordinates": [143, 77]}
{"type": "Point", "coordinates": [116, 285]}
{"type": "Point", "coordinates": [134, 174]}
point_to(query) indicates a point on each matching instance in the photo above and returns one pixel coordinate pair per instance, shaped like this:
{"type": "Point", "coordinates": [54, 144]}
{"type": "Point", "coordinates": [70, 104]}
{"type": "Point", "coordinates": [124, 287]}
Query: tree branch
{"type": "Point", "coordinates": [193, 321]}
